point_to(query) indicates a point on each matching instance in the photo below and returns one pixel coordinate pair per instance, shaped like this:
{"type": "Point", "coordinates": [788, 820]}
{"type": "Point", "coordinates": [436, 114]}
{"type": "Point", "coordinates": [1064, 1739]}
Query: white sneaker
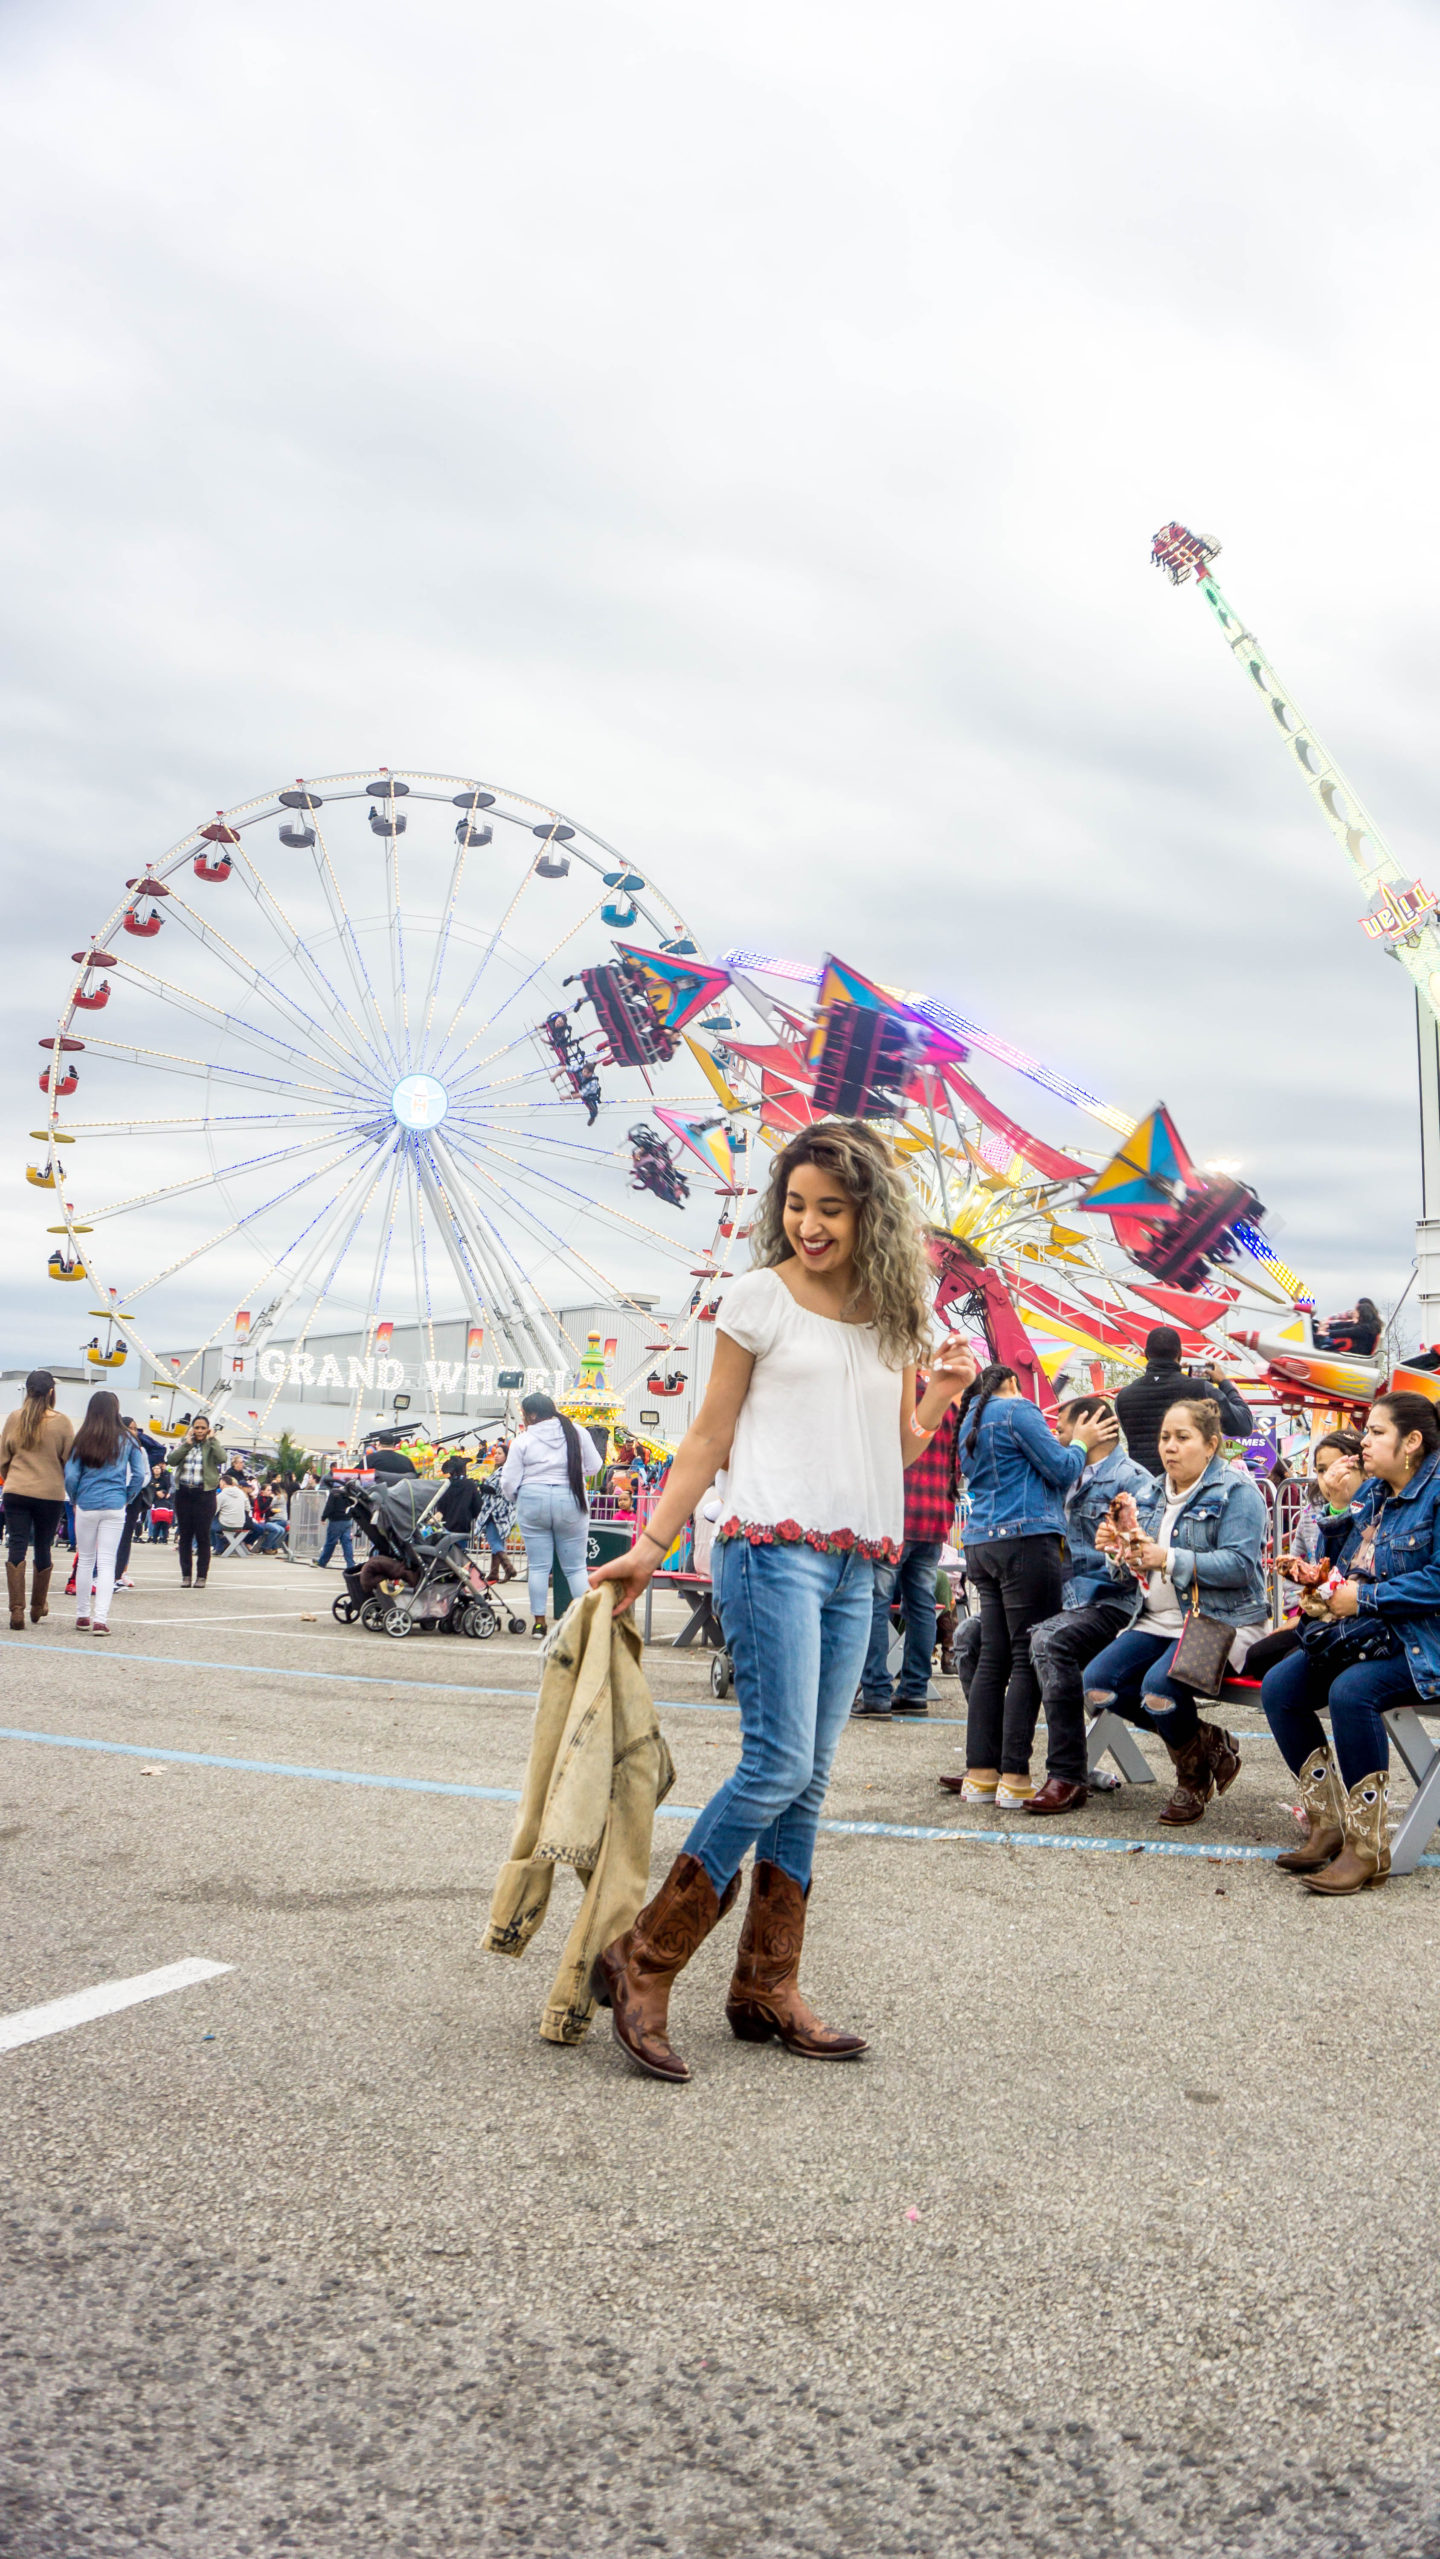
{"type": "Point", "coordinates": [124, 1583]}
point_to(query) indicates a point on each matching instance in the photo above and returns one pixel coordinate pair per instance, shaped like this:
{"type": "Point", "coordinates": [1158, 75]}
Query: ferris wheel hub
{"type": "Point", "coordinates": [419, 1101]}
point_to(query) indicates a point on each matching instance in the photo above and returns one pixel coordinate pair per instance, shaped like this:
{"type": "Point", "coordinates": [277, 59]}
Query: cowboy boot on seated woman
{"type": "Point", "coordinates": [1372, 1644]}
{"type": "Point", "coordinates": [1198, 1544]}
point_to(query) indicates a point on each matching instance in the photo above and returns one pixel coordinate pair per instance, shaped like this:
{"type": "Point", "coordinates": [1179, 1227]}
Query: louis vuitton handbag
{"type": "Point", "coordinates": [1203, 1651]}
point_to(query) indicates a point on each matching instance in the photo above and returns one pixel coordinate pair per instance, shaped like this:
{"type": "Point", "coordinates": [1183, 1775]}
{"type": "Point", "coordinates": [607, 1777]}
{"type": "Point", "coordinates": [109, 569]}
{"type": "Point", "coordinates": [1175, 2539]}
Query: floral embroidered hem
{"type": "Point", "coordinates": [826, 1541]}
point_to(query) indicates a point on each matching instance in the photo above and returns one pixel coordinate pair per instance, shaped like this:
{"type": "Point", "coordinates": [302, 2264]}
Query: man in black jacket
{"type": "Point", "coordinates": [1143, 1406]}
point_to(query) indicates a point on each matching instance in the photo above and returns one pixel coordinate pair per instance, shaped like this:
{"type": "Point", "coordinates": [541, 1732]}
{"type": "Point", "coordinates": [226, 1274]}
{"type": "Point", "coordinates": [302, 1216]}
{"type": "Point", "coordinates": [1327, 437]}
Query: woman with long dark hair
{"type": "Point", "coordinates": [200, 1462]}
{"type": "Point", "coordinates": [808, 1423]}
{"type": "Point", "coordinates": [1016, 1476]}
{"type": "Point", "coordinates": [1375, 1645]}
{"type": "Point", "coordinates": [544, 1475]}
{"type": "Point", "coordinates": [34, 1444]}
{"type": "Point", "coordinates": [105, 1470]}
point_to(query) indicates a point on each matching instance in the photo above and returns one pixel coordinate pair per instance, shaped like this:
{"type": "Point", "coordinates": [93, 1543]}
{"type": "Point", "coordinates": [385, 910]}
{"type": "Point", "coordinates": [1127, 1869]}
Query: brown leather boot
{"type": "Point", "coordinates": [39, 1585]}
{"type": "Point", "coordinates": [1365, 1857]}
{"type": "Point", "coordinates": [764, 1997]}
{"type": "Point", "coordinates": [1323, 1798]}
{"type": "Point", "coordinates": [1206, 1766]}
{"type": "Point", "coordinates": [638, 1968]}
{"type": "Point", "coordinates": [15, 1584]}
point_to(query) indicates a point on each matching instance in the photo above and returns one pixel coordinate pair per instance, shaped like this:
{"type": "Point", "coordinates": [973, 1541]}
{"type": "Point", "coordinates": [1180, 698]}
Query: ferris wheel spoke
{"type": "Point", "coordinates": [264, 985]}
{"type": "Point", "coordinates": [247, 1078]}
{"type": "Point", "coordinates": [183, 999]}
{"type": "Point", "coordinates": [237, 1226]}
{"type": "Point", "coordinates": [537, 1347]}
{"type": "Point", "coordinates": [485, 959]}
{"type": "Point", "coordinates": [399, 987]}
{"type": "Point", "coordinates": [442, 940]}
{"type": "Point", "coordinates": [377, 1280]}
{"type": "Point", "coordinates": [528, 980]}
{"type": "Point", "coordinates": [370, 1179]}
{"type": "Point", "coordinates": [552, 1183]}
{"type": "Point", "coordinates": [523, 1209]}
{"type": "Point", "coordinates": [301, 953]}
{"type": "Point", "coordinates": [351, 945]}
{"type": "Point", "coordinates": [420, 1270]}
{"type": "Point", "coordinates": [206, 1180]}
{"type": "Point", "coordinates": [447, 1228]}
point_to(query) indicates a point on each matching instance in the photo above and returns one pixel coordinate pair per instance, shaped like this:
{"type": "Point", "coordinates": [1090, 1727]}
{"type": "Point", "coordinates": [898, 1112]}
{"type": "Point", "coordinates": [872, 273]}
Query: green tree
{"type": "Point", "coordinates": [290, 1460]}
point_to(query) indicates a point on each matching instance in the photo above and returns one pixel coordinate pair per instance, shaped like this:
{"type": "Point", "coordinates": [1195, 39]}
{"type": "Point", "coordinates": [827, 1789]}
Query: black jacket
{"type": "Point", "coordinates": [460, 1503]}
{"type": "Point", "coordinates": [1143, 1407]}
{"type": "Point", "coordinates": [338, 1504]}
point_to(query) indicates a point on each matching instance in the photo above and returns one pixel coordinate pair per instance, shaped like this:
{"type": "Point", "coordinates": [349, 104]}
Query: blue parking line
{"type": "Point", "coordinates": [445, 1687]}
{"type": "Point", "coordinates": [919, 1831]}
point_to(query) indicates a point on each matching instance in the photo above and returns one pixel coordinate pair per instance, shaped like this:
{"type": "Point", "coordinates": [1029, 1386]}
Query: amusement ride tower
{"type": "Point", "coordinates": [1399, 912]}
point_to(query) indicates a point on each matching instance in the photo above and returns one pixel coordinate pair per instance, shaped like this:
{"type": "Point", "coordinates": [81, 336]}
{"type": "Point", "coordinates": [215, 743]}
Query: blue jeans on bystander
{"type": "Point", "coordinates": [797, 1623]}
{"type": "Point", "coordinates": [337, 1533]}
{"type": "Point", "coordinates": [1298, 1686]}
{"type": "Point", "coordinates": [554, 1527]}
{"type": "Point", "coordinates": [911, 1583]}
{"type": "Point", "coordinates": [1131, 1676]}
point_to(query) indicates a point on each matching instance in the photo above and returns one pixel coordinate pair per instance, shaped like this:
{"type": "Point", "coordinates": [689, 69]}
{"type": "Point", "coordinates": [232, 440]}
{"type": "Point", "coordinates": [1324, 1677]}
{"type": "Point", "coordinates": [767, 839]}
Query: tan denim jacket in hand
{"type": "Point", "coordinates": [598, 1768]}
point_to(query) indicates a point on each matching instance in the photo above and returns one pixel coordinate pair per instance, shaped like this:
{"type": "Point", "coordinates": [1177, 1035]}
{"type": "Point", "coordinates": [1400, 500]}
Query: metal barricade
{"type": "Point", "coordinates": [307, 1534]}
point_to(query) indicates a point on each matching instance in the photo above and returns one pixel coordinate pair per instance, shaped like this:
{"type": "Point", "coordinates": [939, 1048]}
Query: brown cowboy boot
{"type": "Point", "coordinates": [39, 1585]}
{"type": "Point", "coordinates": [15, 1584]}
{"type": "Point", "coordinates": [638, 1968]}
{"type": "Point", "coordinates": [1323, 1798]}
{"type": "Point", "coordinates": [764, 1997]}
{"type": "Point", "coordinates": [1365, 1857]}
{"type": "Point", "coordinates": [1204, 1767]}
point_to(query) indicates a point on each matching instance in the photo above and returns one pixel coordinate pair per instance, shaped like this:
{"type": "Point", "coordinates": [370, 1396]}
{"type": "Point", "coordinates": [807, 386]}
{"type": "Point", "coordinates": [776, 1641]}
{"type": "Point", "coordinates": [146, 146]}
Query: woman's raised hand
{"type": "Point", "coordinates": [953, 1367]}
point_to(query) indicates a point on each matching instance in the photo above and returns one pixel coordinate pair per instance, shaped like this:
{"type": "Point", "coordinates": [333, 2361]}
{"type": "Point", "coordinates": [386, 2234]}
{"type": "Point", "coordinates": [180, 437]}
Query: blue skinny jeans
{"type": "Point", "coordinates": [1294, 1691]}
{"type": "Point", "coordinates": [553, 1526]}
{"type": "Point", "coordinates": [911, 1583]}
{"type": "Point", "coordinates": [1132, 1676]}
{"type": "Point", "coordinates": [796, 1627]}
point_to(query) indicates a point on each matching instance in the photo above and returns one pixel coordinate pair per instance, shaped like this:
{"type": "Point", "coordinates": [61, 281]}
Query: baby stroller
{"type": "Point", "coordinates": [433, 1581]}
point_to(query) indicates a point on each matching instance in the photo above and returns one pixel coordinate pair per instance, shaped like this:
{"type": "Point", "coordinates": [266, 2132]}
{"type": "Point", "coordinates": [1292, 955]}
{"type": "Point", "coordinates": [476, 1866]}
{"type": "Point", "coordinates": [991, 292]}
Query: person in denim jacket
{"type": "Point", "coordinates": [1198, 1542]}
{"type": "Point", "coordinates": [1096, 1609]}
{"type": "Point", "coordinates": [1017, 1474]}
{"type": "Point", "coordinates": [1389, 1608]}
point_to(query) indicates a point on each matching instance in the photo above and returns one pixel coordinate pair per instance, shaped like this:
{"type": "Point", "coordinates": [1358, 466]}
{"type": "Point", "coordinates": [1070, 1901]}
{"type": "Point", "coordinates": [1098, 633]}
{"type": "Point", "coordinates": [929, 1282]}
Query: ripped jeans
{"type": "Point", "coordinates": [1131, 1675]}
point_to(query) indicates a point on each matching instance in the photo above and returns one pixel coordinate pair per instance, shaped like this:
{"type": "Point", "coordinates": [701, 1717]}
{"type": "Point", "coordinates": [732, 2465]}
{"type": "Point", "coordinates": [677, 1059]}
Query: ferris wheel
{"type": "Point", "coordinates": [379, 1054]}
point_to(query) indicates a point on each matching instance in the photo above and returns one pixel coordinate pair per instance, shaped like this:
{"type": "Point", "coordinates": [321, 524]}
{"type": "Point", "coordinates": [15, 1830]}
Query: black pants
{"type": "Point", "coordinates": [134, 1514]}
{"type": "Point", "coordinates": [30, 1521]}
{"type": "Point", "coordinates": [1272, 1649]}
{"type": "Point", "coordinates": [194, 1518]}
{"type": "Point", "coordinates": [1017, 1581]}
{"type": "Point", "coordinates": [1060, 1649]}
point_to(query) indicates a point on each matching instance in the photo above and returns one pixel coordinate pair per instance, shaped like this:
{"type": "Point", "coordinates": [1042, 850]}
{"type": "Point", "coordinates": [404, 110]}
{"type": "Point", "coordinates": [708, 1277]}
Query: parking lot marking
{"type": "Point", "coordinates": [103, 1999]}
{"type": "Point", "coordinates": [1215, 1851]}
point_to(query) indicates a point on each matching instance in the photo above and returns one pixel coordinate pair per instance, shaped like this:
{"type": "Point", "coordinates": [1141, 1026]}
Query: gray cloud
{"type": "Point", "coordinates": [746, 428]}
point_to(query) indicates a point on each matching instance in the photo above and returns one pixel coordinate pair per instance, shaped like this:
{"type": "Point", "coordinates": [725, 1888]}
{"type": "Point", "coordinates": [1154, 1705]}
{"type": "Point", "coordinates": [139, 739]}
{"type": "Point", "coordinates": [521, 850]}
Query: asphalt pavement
{"type": "Point", "coordinates": [1119, 2240]}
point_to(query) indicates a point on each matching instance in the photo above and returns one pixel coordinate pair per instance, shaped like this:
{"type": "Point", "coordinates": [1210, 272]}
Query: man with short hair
{"type": "Point", "coordinates": [1143, 1405]}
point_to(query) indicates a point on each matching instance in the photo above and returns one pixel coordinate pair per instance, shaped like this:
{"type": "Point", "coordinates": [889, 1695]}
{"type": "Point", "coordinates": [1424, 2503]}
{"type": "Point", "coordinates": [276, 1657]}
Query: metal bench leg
{"type": "Point", "coordinates": [1109, 1731]}
{"type": "Point", "coordinates": [1409, 1843]}
{"type": "Point", "coordinates": [1412, 1741]}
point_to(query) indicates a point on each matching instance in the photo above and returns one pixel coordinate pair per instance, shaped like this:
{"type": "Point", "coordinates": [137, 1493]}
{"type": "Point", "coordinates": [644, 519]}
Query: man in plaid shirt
{"type": "Point", "coordinates": [930, 1494]}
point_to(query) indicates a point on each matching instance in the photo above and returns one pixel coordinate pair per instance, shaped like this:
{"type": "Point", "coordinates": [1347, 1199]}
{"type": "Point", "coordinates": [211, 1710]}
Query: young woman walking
{"type": "Point", "coordinates": [808, 1423]}
{"type": "Point", "coordinates": [34, 1444]}
{"type": "Point", "coordinates": [199, 1464]}
{"type": "Point", "coordinates": [105, 1470]}
{"type": "Point", "coordinates": [544, 1475]}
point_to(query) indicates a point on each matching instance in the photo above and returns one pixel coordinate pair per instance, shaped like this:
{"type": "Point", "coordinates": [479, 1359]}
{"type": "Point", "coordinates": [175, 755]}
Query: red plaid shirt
{"type": "Point", "coordinates": [930, 1486]}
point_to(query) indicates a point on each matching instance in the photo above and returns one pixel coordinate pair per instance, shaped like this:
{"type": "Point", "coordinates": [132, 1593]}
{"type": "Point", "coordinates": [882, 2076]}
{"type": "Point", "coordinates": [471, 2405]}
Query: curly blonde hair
{"type": "Point", "coordinates": [891, 1266]}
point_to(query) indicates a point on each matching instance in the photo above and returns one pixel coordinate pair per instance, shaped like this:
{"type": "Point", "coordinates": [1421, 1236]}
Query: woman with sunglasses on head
{"type": "Point", "coordinates": [1373, 1643]}
{"type": "Point", "coordinates": [808, 1423]}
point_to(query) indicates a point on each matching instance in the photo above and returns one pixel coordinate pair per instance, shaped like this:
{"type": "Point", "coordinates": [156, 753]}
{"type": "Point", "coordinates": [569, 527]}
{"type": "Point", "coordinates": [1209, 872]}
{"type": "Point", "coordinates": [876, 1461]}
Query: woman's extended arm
{"type": "Point", "coordinates": [702, 1452]}
{"type": "Point", "coordinates": [953, 1371]}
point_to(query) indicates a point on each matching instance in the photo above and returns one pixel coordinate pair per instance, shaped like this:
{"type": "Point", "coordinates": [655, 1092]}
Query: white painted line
{"type": "Point", "coordinates": [28, 2025]}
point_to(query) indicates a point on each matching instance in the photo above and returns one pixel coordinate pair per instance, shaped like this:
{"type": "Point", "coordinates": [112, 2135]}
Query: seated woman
{"type": "Point", "coordinates": [1321, 1538]}
{"type": "Point", "coordinates": [1198, 1543]}
{"type": "Point", "coordinates": [1376, 1645]}
{"type": "Point", "coordinates": [1357, 1331]}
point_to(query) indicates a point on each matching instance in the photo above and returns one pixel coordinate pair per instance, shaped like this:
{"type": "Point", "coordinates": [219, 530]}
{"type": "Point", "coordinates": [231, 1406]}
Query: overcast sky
{"type": "Point", "coordinates": [744, 427]}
